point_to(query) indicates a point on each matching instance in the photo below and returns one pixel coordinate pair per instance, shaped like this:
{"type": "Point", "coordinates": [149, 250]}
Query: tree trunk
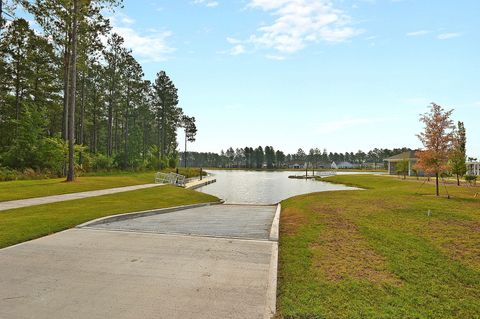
{"type": "Point", "coordinates": [73, 87]}
{"type": "Point", "coordinates": [458, 180]}
{"type": "Point", "coordinates": [437, 190]}
{"type": "Point", "coordinates": [82, 116]}
{"type": "Point", "coordinates": [126, 128]}
{"type": "Point", "coordinates": [185, 154]}
{"type": "Point", "coordinates": [94, 120]}
{"type": "Point", "coordinates": [66, 81]}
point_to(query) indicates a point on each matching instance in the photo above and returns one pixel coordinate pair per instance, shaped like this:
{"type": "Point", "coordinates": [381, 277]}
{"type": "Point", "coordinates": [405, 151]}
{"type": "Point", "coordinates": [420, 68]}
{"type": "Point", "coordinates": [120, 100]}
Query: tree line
{"type": "Point", "coordinates": [268, 157]}
{"type": "Point", "coordinates": [72, 96]}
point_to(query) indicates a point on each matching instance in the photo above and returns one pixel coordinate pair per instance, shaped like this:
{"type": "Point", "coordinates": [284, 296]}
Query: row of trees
{"type": "Point", "coordinates": [249, 157]}
{"type": "Point", "coordinates": [69, 98]}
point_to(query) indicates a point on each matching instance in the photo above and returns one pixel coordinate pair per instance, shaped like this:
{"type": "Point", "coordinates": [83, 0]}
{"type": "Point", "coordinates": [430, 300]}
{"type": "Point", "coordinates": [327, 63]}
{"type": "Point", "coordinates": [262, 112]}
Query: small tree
{"type": "Point", "coordinates": [437, 139]}
{"type": "Point", "coordinates": [457, 163]}
{"type": "Point", "coordinates": [402, 167]}
{"type": "Point", "coordinates": [188, 124]}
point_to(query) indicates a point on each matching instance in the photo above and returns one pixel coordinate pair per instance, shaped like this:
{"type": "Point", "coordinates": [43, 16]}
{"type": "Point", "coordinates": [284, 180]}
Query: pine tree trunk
{"type": "Point", "coordinates": [185, 154]}
{"type": "Point", "coordinates": [73, 87]}
{"type": "Point", "coordinates": [82, 116]}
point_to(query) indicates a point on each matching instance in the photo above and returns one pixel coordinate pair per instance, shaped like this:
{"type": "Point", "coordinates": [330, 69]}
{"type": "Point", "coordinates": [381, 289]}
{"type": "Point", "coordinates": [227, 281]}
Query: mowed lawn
{"type": "Point", "coordinates": [21, 224]}
{"type": "Point", "coordinates": [14, 190]}
{"type": "Point", "coordinates": [378, 253]}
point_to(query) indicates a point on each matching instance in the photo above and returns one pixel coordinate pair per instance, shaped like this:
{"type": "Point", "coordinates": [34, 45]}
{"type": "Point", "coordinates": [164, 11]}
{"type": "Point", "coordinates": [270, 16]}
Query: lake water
{"type": "Point", "coordinates": [262, 187]}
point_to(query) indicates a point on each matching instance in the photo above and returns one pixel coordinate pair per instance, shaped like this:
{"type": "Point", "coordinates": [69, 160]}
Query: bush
{"type": "Point", "coordinates": [101, 162]}
{"type": "Point", "coordinates": [7, 174]}
{"type": "Point", "coordinates": [51, 156]}
{"type": "Point", "coordinates": [471, 179]}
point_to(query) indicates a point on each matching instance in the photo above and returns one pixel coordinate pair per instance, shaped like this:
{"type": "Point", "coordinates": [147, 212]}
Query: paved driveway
{"type": "Point", "coordinates": [142, 270]}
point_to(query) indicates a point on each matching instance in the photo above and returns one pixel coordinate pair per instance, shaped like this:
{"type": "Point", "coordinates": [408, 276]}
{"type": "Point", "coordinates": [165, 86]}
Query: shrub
{"type": "Point", "coordinates": [7, 174]}
{"type": "Point", "coordinates": [471, 179]}
{"type": "Point", "coordinates": [101, 162]}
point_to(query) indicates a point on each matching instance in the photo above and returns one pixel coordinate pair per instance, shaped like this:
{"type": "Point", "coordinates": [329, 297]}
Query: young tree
{"type": "Point", "coordinates": [188, 124]}
{"type": "Point", "coordinates": [402, 167]}
{"type": "Point", "coordinates": [458, 165]}
{"type": "Point", "coordinates": [437, 140]}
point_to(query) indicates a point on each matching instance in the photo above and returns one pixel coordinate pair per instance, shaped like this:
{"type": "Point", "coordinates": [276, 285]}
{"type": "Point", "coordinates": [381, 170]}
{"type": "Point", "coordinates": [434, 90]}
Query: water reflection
{"type": "Point", "coordinates": [262, 187]}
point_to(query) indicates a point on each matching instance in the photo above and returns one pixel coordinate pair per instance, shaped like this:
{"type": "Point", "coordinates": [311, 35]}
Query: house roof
{"type": "Point", "coordinates": [404, 155]}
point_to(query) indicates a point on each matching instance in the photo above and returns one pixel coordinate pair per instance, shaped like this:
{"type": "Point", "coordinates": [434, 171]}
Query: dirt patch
{"type": "Point", "coordinates": [459, 239]}
{"type": "Point", "coordinates": [291, 219]}
{"type": "Point", "coordinates": [341, 252]}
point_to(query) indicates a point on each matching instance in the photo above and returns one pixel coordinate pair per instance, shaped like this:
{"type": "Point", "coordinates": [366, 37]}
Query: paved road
{"type": "Point", "coordinates": [64, 197]}
{"type": "Point", "coordinates": [139, 269]}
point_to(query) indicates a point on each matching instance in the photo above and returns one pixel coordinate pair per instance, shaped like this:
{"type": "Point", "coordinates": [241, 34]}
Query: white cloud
{"type": "Point", "coordinates": [275, 57]}
{"type": "Point", "coordinates": [148, 45]}
{"type": "Point", "coordinates": [206, 3]}
{"type": "Point", "coordinates": [237, 49]}
{"type": "Point", "coordinates": [417, 33]}
{"type": "Point", "coordinates": [298, 23]}
{"type": "Point", "coordinates": [448, 35]}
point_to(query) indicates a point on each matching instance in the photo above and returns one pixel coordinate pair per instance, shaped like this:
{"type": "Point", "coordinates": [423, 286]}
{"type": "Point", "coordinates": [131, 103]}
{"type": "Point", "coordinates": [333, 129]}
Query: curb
{"type": "Point", "coordinates": [271, 302]}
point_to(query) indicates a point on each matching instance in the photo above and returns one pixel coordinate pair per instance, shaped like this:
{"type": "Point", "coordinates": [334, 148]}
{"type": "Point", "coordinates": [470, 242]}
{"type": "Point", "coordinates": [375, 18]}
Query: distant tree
{"type": "Point", "coordinates": [458, 165]}
{"type": "Point", "coordinates": [230, 153]}
{"type": "Point", "coordinates": [259, 157]}
{"type": "Point", "coordinates": [437, 140]}
{"type": "Point", "coordinates": [270, 156]}
{"type": "Point", "coordinates": [279, 158]}
{"type": "Point", "coordinates": [301, 156]}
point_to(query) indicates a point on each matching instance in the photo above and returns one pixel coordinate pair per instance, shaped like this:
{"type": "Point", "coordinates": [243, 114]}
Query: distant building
{"type": "Point", "coordinates": [345, 165]}
{"type": "Point", "coordinates": [410, 156]}
{"type": "Point", "coordinates": [296, 166]}
{"type": "Point", "coordinates": [473, 168]}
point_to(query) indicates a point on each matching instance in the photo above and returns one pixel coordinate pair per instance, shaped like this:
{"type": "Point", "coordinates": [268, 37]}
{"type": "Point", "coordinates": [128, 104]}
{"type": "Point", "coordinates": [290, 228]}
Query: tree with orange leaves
{"type": "Point", "coordinates": [437, 139]}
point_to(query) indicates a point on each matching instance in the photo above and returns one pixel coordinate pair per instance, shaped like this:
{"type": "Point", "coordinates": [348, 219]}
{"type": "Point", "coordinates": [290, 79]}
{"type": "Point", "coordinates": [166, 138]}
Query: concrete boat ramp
{"type": "Point", "coordinates": [210, 261]}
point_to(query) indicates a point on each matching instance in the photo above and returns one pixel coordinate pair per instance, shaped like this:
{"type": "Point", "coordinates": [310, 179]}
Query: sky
{"type": "Point", "coordinates": [337, 74]}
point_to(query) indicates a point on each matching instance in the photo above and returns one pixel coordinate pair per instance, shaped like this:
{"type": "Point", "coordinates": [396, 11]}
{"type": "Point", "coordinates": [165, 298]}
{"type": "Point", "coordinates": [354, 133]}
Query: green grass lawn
{"type": "Point", "coordinates": [21, 224]}
{"type": "Point", "coordinates": [376, 253]}
{"type": "Point", "coordinates": [13, 190]}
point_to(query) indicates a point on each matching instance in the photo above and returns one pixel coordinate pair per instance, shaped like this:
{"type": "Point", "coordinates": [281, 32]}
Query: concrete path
{"type": "Point", "coordinates": [64, 197]}
{"type": "Point", "coordinates": [139, 269]}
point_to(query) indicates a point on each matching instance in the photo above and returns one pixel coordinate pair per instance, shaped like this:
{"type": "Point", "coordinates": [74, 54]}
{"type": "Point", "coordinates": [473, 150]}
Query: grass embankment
{"type": "Point", "coordinates": [18, 225]}
{"type": "Point", "coordinates": [14, 190]}
{"type": "Point", "coordinates": [378, 253]}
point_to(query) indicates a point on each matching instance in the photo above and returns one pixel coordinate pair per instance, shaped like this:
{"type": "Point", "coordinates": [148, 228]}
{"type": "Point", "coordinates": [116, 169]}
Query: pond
{"type": "Point", "coordinates": [262, 187]}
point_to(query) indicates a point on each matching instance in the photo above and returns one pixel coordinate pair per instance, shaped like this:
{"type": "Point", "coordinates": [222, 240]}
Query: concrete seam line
{"type": "Point", "coordinates": [275, 224]}
{"type": "Point", "coordinates": [143, 213]}
{"type": "Point", "coordinates": [271, 300]}
{"type": "Point", "coordinates": [254, 240]}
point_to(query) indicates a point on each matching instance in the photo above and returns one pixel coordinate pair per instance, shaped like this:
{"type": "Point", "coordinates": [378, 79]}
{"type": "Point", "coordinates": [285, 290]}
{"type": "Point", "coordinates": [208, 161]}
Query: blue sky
{"type": "Point", "coordinates": [342, 74]}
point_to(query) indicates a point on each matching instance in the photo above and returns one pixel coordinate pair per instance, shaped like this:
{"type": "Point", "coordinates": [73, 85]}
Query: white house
{"type": "Point", "coordinates": [345, 165]}
{"type": "Point", "coordinates": [473, 168]}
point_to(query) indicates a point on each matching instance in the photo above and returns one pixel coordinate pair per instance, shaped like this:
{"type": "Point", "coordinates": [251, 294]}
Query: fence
{"type": "Point", "coordinates": [169, 178]}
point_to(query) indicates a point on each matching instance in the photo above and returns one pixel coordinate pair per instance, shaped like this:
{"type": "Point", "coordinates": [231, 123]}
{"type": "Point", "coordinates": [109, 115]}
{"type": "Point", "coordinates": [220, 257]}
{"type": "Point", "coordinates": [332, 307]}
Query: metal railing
{"type": "Point", "coordinates": [169, 178]}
